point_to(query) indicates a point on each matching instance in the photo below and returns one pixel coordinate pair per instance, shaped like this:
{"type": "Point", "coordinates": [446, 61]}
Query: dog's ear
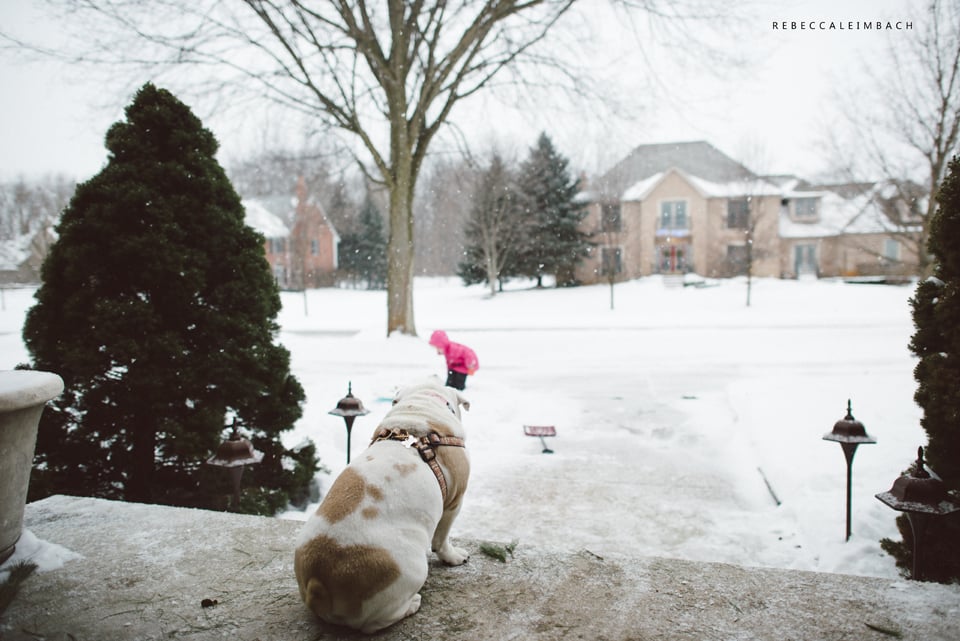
{"type": "Point", "coordinates": [462, 400]}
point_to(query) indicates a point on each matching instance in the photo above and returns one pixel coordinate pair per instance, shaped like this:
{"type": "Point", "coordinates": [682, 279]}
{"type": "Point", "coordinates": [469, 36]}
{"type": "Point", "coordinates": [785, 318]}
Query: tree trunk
{"type": "Point", "coordinates": [492, 275]}
{"type": "Point", "coordinates": [400, 250]}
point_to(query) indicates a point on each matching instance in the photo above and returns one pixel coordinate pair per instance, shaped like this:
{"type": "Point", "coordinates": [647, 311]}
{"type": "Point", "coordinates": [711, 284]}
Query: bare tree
{"type": "Point", "coordinates": [28, 213]}
{"type": "Point", "coordinates": [747, 214]}
{"type": "Point", "coordinates": [495, 225]}
{"type": "Point", "coordinates": [905, 126]}
{"type": "Point", "coordinates": [443, 197]}
{"type": "Point", "coordinates": [386, 74]}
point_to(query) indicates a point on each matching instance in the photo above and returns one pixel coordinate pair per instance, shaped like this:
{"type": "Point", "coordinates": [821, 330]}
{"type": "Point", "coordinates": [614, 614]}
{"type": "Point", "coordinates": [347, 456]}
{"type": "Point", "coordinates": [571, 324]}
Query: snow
{"type": "Point", "coordinates": [45, 555]}
{"type": "Point", "coordinates": [708, 189]}
{"type": "Point", "coordinates": [642, 188]}
{"type": "Point", "coordinates": [14, 251]}
{"type": "Point", "coordinates": [746, 187]}
{"type": "Point", "coordinates": [262, 220]}
{"type": "Point", "coordinates": [673, 411]}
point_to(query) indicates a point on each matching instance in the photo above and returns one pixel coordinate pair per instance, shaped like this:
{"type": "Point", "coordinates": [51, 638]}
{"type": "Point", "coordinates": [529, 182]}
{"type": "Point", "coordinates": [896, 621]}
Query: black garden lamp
{"type": "Point", "coordinates": [233, 455]}
{"type": "Point", "coordinates": [349, 407]}
{"type": "Point", "coordinates": [849, 433]}
{"type": "Point", "coordinates": [922, 496]}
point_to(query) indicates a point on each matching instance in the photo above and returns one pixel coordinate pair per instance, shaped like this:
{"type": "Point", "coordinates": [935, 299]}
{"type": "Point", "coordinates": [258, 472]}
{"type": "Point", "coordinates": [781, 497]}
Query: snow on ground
{"type": "Point", "coordinates": [673, 411]}
{"type": "Point", "coordinates": [30, 549]}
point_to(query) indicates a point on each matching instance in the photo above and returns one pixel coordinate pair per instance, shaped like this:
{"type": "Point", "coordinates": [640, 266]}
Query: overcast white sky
{"type": "Point", "coordinates": [53, 120]}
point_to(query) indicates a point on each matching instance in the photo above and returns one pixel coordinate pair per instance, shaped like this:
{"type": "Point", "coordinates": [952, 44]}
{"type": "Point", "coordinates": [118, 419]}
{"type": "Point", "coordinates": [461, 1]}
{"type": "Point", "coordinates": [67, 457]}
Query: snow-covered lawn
{"type": "Point", "coordinates": [673, 411]}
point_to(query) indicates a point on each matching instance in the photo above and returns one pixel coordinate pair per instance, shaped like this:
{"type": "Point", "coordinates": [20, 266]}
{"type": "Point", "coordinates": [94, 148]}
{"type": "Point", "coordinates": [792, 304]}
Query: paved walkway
{"type": "Point", "coordinates": [146, 572]}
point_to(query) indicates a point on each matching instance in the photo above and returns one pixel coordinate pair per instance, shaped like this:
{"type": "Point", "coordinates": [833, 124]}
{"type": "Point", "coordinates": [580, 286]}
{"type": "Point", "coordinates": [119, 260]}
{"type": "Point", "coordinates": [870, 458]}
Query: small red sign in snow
{"type": "Point", "coordinates": [539, 430]}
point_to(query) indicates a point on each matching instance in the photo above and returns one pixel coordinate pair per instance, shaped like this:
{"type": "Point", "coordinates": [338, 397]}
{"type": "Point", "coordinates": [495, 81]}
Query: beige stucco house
{"type": "Point", "coordinates": [686, 207]}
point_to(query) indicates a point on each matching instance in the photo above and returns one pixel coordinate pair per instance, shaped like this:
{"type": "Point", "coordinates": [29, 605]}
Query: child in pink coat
{"type": "Point", "coordinates": [461, 360]}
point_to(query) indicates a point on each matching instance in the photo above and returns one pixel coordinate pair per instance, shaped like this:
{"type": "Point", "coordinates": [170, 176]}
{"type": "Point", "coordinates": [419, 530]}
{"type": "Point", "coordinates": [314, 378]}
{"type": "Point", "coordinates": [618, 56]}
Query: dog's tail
{"type": "Point", "coordinates": [314, 593]}
{"type": "Point", "coordinates": [317, 597]}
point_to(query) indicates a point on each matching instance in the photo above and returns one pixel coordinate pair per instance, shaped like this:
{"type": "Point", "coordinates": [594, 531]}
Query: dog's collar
{"type": "Point", "coordinates": [425, 446]}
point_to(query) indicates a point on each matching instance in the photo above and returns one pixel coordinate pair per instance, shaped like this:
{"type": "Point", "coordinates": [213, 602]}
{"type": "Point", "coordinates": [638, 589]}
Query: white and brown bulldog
{"type": "Point", "coordinates": [362, 558]}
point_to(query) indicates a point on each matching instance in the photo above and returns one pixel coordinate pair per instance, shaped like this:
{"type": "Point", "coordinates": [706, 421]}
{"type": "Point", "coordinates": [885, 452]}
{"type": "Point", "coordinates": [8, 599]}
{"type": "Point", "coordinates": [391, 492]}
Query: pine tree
{"type": "Point", "coordinates": [158, 310]}
{"type": "Point", "coordinates": [363, 254]}
{"type": "Point", "coordinates": [494, 230]}
{"type": "Point", "coordinates": [936, 341]}
{"type": "Point", "coordinates": [547, 193]}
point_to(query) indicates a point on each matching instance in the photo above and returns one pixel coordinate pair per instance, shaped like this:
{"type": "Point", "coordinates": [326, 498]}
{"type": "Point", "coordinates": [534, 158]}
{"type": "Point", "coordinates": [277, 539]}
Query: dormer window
{"type": "Point", "coordinates": [805, 208]}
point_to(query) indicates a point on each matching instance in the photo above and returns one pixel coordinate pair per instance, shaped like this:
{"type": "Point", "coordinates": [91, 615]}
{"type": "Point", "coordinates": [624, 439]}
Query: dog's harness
{"type": "Point", "coordinates": [425, 446]}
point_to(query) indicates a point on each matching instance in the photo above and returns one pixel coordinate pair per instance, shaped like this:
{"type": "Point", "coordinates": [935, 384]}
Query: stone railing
{"type": "Point", "coordinates": [149, 572]}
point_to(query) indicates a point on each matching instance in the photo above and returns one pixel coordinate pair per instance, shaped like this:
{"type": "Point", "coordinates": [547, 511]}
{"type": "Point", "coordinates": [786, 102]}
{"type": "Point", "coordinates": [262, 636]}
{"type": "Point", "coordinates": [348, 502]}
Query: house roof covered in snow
{"type": "Point", "coordinates": [699, 159]}
{"type": "Point", "coordinates": [745, 186]}
{"type": "Point", "coordinates": [842, 210]}
{"type": "Point", "coordinates": [261, 219]}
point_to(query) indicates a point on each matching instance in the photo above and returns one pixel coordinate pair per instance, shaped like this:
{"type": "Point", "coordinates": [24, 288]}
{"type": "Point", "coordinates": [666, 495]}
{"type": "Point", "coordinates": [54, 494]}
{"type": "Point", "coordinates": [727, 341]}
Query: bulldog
{"type": "Point", "coordinates": [361, 559]}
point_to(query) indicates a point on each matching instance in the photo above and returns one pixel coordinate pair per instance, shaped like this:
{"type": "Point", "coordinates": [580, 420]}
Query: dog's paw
{"type": "Point", "coordinates": [452, 555]}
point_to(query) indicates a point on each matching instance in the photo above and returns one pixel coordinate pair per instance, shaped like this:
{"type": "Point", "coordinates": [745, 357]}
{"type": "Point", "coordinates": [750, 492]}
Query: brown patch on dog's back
{"type": "Point", "coordinates": [346, 494]}
{"type": "Point", "coordinates": [335, 580]}
{"type": "Point", "coordinates": [370, 512]}
{"type": "Point", "coordinates": [405, 469]}
{"type": "Point", "coordinates": [344, 497]}
{"type": "Point", "coordinates": [375, 492]}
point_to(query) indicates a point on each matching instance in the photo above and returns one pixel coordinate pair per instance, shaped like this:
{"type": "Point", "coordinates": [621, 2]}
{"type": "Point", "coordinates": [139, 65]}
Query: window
{"type": "Point", "coordinates": [314, 247]}
{"type": "Point", "coordinates": [891, 249]}
{"type": "Point", "coordinates": [278, 245]}
{"type": "Point", "coordinates": [673, 214]}
{"type": "Point", "coordinates": [610, 217]}
{"type": "Point", "coordinates": [611, 260]}
{"type": "Point", "coordinates": [805, 208]}
{"type": "Point", "coordinates": [738, 213]}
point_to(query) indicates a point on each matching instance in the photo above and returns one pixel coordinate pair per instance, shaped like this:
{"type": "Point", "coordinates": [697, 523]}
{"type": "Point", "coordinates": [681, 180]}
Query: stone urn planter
{"type": "Point", "coordinates": [23, 394]}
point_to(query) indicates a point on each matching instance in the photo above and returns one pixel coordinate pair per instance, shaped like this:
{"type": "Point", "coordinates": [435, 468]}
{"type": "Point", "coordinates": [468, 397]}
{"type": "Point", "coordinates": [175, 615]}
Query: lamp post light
{"type": "Point", "coordinates": [850, 433]}
{"type": "Point", "coordinates": [349, 407]}
{"type": "Point", "coordinates": [922, 496]}
{"type": "Point", "coordinates": [233, 455]}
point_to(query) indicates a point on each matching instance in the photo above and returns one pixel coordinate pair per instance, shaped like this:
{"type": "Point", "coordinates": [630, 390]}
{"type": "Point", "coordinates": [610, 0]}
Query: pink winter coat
{"type": "Point", "coordinates": [460, 358]}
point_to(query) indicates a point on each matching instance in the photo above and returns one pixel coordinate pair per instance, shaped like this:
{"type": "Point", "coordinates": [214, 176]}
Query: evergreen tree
{"type": "Point", "coordinates": [494, 230]}
{"type": "Point", "coordinates": [158, 310]}
{"type": "Point", "coordinates": [363, 254]}
{"type": "Point", "coordinates": [547, 196]}
{"type": "Point", "coordinates": [936, 341]}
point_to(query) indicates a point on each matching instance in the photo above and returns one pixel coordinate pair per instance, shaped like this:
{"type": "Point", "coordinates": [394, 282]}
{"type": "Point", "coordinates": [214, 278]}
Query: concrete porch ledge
{"type": "Point", "coordinates": [146, 569]}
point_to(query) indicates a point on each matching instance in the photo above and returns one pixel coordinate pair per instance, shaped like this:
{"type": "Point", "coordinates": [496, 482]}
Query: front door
{"type": "Point", "coordinates": [805, 260]}
{"type": "Point", "coordinates": [674, 258]}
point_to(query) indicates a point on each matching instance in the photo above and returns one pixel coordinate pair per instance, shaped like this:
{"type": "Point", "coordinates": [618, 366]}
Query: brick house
{"type": "Point", "coordinates": [277, 238]}
{"type": "Point", "coordinates": [302, 255]}
{"type": "Point", "coordinates": [686, 207]}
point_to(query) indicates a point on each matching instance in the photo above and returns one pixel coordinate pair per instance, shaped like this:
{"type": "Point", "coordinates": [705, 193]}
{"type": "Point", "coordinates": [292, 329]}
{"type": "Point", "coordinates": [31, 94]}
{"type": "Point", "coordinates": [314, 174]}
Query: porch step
{"type": "Point", "coordinates": [673, 281]}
